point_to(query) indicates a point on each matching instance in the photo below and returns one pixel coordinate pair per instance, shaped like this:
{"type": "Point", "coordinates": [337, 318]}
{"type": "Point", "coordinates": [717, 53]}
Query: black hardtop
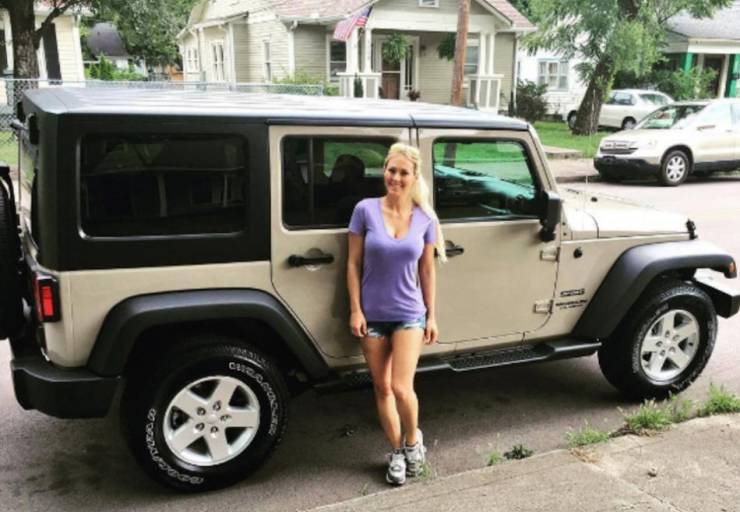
{"type": "Point", "coordinates": [268, 108]}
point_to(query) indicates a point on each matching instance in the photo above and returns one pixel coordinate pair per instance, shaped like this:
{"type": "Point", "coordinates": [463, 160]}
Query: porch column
{"type": "Point", "coordinates": [367, 40]}
{"type": "Point", "coordinates": [733, 72]}
{"type": "Point", "coordinates": [370, 79]}
{"type": "Point", "coordinates": [688, 60]}
{"type": "Point", "coordinates": [347, 78]}
{"type": "Point", "coordinates": [491, 53]}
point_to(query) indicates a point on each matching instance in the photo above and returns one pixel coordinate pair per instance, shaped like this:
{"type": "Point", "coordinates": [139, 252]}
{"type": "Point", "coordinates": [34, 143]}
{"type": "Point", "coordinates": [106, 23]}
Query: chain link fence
{"type": "Point", "coordinates": [12, 90]}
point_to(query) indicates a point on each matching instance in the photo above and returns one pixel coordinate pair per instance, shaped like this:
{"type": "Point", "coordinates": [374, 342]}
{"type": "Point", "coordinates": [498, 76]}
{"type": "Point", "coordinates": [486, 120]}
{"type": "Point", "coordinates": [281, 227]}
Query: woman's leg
{"type": "Point", "coordinates": [378, 356]}
{"type": "Point", "coordinates": [406, 347]}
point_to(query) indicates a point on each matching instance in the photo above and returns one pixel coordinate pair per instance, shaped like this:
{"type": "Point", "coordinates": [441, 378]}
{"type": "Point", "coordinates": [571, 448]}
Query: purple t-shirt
{"type": "Point", "coordinates": [390, 288]}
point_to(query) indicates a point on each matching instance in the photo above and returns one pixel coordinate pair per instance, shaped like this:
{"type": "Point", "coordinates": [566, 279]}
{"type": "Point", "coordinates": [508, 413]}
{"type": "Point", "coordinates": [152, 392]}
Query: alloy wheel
{"type": "Point", "coordinates": [670, 345]}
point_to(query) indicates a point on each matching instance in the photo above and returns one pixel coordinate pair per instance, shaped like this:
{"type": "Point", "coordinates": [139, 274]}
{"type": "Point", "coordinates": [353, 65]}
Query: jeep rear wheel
{"type": "Point", "coordinates": [205, 414]}
{"type": "Point", "coordinates": [11, 309]}
{"type": "Point", "coordinates": [663, 344]}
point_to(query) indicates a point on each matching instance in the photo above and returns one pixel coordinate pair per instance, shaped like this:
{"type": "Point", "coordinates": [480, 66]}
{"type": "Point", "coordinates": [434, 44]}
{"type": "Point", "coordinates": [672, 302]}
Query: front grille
{"type": "Point", "coordinates": [615, 151]}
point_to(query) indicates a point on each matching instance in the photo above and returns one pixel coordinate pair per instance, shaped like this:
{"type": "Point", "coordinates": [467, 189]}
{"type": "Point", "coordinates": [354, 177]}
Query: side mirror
{"type": "Point", "coordinates": [551, 209]}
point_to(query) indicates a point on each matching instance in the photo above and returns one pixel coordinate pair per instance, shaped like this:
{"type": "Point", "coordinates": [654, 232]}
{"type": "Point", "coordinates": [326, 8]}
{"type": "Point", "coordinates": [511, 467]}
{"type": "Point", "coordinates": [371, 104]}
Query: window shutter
{"type": "Point", "coordinates": [51, 52]}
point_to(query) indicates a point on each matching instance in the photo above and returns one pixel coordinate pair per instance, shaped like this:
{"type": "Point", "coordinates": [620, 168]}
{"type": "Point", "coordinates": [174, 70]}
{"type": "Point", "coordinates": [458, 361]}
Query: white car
{"type": "Point", "coordinates": [626, 107]}
{"type": "Point", "coordinates": [688, 137]}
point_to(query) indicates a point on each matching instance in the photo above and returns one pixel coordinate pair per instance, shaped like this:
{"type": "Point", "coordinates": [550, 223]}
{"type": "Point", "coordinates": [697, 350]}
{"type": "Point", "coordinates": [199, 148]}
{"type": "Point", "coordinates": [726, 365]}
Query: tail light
{"type": "Point", "coordinates": [46, 292]}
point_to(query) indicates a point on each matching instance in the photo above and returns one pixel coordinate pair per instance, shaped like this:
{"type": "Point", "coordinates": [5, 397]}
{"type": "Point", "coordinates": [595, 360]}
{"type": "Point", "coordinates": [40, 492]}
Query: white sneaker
{"type": "Point", "coordinates": [396, 473]}
{"type": "Point", "coordinates": [415, 455]}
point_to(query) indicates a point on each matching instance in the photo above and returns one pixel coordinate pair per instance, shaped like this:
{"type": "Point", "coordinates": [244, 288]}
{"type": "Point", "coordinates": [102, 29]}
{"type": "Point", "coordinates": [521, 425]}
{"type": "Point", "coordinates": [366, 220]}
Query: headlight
{"type": "Point", "coordinates": [643, 144]}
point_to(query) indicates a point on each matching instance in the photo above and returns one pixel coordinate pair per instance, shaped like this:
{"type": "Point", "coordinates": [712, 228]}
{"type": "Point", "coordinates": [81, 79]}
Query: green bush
{"type": "Point", "coordinates": [650, 416]}
{"type": "Point", "coordinates": [585, 436]}
{"type": "Point", "coordinates": [106, 70]}
{"type": "Point", "coordinates": [685, 85]}
{"type": "Point", "coordinates": [530, 101]}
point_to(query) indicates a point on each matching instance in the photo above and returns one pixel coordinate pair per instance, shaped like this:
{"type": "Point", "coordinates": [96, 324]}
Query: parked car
{"type": "Point", "coordinates": [698, 137]}
{"type": "Point", "coordinates": [189, 249]}
{"type": "Point", "coordinates": [626, 107]}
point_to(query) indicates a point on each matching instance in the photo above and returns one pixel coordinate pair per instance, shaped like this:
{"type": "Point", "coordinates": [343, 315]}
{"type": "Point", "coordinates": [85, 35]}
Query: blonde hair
{"type": "Point", "coordinates": [420, 193]}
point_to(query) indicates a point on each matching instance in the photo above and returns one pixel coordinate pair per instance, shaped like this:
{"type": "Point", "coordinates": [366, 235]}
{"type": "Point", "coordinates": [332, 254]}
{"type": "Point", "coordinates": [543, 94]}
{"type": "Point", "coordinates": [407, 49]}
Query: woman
{"type": "Point", "coordinates": [392, 240]}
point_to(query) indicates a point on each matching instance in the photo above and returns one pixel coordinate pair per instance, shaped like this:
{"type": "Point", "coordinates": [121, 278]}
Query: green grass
{"type": "Point", "coordinates": [557, 134]}
{"type": "Point", "coordinates": [8, 149]}
{"type": "Point", "coordinates": [720, 401]}
{"type": "Point", "coordinates": [679, 410]}
{"type": "Point", "coordinates": [586, 435]}
{"type": "Point", "coordinates": [649, 417]}
{"type": "Point", "coordinates": [495, 458]}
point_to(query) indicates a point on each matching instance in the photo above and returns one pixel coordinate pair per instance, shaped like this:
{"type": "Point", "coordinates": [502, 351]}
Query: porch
{"type": "Point", "coordinates": [422, 73]}
{"type": "Point", "coordinates": [725, 64]}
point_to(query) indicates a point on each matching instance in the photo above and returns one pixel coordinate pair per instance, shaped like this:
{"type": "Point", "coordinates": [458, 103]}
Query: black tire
{"type": "Point", "coordinates": [571, 119]}
{"type": "Point", "coordinates": [671, 176]}
{"type": "Point", "coordinates": [152, 387]}
{"type": "Point", "coordinates": [621, 358]}
{"type": "Point", "coordinates": [628, 123]}
{"type": "Point", "coordinates": [11, 303]}
{"type": "Point", "coordinates": [610, 176]}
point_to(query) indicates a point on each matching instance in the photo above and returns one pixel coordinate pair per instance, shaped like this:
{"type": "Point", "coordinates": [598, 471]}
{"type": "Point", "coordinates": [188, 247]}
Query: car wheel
{"type": "Point", "coordinates": [205, 414]}
{"type": "Point", "coordinates": [572, 120]}
{"type": "Point", "coordinates": [11, 304]}
{"type": "Point", "coordinates": [675, 168]}
{"type": "Point", "coordinates": [664, 342]}
{"type": "Point", "coordinates": [628, 123]}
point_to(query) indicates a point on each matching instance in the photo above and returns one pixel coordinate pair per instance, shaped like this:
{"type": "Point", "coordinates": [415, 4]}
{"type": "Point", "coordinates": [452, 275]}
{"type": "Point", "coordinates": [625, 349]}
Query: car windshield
{"type": "Point", "coordinates": [672, 116]}
{"type": "Point", "coordinates": [656, 99]}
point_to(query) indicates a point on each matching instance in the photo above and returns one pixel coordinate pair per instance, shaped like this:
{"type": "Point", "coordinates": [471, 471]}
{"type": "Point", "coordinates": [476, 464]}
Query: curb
{"type": "Point", "coordinates": [583, 178]}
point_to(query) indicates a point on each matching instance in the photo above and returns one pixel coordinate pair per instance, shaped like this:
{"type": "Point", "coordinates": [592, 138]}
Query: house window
{"type": "Point", "coordinates": [268, 62]}
{"type": "Point", "coordinates": [428, 3]}
{"type": "Point", "coordinates": [337, 59]}
{"type": "Point", "coordinates": [554, 73]}
{"type": "Point", "coordinates": [193, 58]}
{"type": "Point", "coordinates": [471, 59]}
{"type": "Point", "coordinates": [217, 56]}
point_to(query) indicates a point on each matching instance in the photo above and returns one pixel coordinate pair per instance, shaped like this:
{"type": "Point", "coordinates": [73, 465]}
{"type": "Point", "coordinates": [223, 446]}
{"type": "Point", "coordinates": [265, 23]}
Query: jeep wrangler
{"type": "Point", "coordinates": [189, 249]}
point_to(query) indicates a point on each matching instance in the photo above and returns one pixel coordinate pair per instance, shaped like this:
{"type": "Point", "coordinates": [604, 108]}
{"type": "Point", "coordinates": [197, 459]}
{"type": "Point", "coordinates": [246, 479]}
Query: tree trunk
{"type": "Point", "coordinates": [25, 41]}
{"type": "Point", "coordinates": [587, 118]}
{"type": "Point", "coordinates": [461, 44]}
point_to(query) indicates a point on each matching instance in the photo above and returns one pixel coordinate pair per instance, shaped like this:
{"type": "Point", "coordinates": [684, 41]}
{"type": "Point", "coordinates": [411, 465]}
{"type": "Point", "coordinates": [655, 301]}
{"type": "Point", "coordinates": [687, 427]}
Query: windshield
{"type": "Point", "coordinates": [669, 117]}
{"type": "Point", "coordinates": [655, 99]}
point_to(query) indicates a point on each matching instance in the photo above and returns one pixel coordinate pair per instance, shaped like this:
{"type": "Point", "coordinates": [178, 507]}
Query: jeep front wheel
{"type": "Point", "coordinates": [205, 414]}
{"type": "Point", "coordinates": [664, 343]}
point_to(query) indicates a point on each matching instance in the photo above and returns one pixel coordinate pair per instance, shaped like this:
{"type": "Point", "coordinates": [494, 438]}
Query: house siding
{"type": "Point", "coordinates": [503, 64]}
{"type": "Point", "coordinates": [446, 7]}
{"type": "Point", "coordinates": [310, 50]}
{"type": "Point", "coordinates": [241, 52]}
{"type": "Point", "coordinates": [257, 33]}
{"type": "Point", "coordinates": [435, 74]}
{"type": "Point", "coordinates": [69, 57]}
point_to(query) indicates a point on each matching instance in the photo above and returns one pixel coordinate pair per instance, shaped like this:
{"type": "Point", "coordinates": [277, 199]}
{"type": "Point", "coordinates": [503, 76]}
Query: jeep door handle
{"type": "Point", "coordinates": [301, 261]}
{"type": "Point", "coordinates": [454, 250]}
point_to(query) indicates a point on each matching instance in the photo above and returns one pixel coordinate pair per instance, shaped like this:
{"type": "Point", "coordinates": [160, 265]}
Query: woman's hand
{"type": "Point", "coordinates": [431, 333]}
{"type": "Point", "coordinates": [358, 324]}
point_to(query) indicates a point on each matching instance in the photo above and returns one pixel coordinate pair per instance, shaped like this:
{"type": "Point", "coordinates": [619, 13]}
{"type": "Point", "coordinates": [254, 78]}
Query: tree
{"type": "Point", "coordinates": [26, 37]}
{"type": "Point", "coordinates": [461, 43]}
{"type": "Point", "coordinates": [147, 27]}
{"type": "Point", "coordinates": [610, 36]}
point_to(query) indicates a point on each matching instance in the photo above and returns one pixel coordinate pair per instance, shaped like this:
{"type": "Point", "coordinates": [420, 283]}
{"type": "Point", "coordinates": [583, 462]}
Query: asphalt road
{"type": "Point", "coordinates": [334, 449]}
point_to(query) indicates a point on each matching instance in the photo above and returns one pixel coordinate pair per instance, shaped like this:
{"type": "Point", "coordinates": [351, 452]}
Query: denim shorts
{"type": "Point", "coordinates": [386, 329]}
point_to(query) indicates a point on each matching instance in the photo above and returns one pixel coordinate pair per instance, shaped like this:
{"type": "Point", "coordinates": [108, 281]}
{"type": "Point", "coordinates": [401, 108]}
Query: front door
{"type": "Point", "coordinates": [318, 174]}
{"type": "Point", "coordinates": [397, 78]}
{"type": "Point", "coordinates": [715, 139]}
{"type": "Point", "coordinates": [715, 63]}
{"type": "Point", "coordinates": [499, 285]}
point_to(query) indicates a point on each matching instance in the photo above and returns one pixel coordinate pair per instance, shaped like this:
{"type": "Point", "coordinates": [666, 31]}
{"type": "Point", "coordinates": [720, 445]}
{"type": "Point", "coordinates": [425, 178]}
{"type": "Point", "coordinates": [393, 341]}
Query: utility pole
{"type": "Point", "coordinates": [461, 44]}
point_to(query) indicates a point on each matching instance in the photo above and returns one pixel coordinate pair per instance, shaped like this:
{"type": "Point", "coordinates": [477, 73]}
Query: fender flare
{"type": "Point", "coordinates": [129, 319]}
{"type": "Point", "coordinates": [632, 273]}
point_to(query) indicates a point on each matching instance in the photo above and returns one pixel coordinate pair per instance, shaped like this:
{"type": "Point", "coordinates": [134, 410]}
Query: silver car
{"type": "Point", "coordinates": [690, 137]}
{"type": "Point", "coordinates": [626, 107]}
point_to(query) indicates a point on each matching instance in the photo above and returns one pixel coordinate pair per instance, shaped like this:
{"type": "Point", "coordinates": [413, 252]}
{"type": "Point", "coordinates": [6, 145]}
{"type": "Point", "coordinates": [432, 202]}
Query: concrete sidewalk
{"type": "Point", "coordinates": [570, 170]}
{"type": "Point", "coordinates": [693, 467]}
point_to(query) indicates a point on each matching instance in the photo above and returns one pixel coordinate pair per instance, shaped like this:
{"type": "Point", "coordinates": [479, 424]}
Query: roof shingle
{"type": "Point", "coordinates": [723, 25]}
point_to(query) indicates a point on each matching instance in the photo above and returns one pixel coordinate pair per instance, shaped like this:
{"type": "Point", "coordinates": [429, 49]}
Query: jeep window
{"type": "Point", "coordinates": [481, 180]}
{"type": "Point", "coordinates": [325, 177]}
{"type": "Point", "coordinates": [162, 185]}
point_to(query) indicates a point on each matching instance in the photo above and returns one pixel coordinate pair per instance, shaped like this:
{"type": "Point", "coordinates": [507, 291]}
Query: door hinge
{"type": "Point", "coordinates": [551, 253]}
{"type": "Point", "coordinates": [543, 306]}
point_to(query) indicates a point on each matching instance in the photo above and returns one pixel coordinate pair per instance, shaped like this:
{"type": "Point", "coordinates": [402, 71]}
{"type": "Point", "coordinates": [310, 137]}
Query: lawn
{"type": "Point", "coordinates": [8, 149]}
{"type": "Point", "coordinates": [557, 134]}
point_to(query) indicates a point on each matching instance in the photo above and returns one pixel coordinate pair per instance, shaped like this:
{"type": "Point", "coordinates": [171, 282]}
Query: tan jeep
{"type": "Point", "coordinates": [190, 248]}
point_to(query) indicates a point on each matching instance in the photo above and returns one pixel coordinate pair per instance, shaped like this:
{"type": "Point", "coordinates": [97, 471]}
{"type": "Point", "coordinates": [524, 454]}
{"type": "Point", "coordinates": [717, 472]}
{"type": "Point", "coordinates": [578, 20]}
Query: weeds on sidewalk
{"type": "Point", "coordinates": [518, 452]}
{"type": "Point", "coordinates": [585, 436]}
{"type": "Point", "coordinates": [679, 410]}
{"type": "Point", "coordinates": [720, 401]}
{"type": "Point", "coordinates": [650, 417]}
{"type": "Point", "coordinates": [495, 458]}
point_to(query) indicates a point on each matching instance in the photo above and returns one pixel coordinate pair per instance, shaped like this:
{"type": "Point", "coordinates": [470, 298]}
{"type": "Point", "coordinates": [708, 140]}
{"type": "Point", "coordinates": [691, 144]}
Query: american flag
{"type": "Point", "coordinates": [345, 27]}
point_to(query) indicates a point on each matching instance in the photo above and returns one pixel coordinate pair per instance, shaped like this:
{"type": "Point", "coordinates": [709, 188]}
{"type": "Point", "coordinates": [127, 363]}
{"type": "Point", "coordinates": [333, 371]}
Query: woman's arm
{"type": "Point", "coordinates": [357, 323]}
{"type": "Point", "coordinates": [428, 281]}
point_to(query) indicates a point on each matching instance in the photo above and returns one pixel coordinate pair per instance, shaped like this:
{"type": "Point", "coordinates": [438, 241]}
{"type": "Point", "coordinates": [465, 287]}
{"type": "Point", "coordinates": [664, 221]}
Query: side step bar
{"type": "Point", "coordinates": [562, 348]}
